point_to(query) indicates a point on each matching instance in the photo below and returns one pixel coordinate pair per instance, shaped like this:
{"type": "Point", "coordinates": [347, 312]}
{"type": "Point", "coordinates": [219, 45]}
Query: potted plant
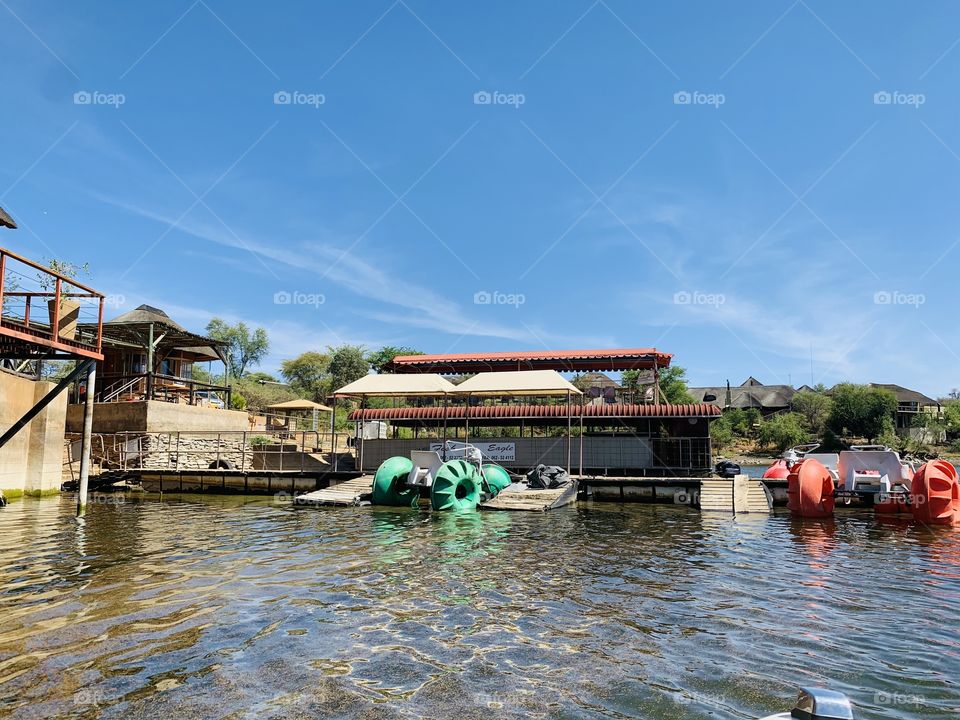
{"type": "Point", "coordinates": [67, 315]}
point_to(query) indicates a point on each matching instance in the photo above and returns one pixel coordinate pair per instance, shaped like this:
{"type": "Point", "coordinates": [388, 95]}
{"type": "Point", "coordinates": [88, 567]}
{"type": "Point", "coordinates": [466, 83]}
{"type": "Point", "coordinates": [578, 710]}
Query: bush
{"type": "Point", "coordinates": [783, 431]}
{"type": "Point", "coordinates": [721, 432]}
{"type": "Point", "coordinates": [861, 411]}
{"type": "Point", "coordinates": [259, 440]}
{"type": "Point", "coordinates": [238, 402]}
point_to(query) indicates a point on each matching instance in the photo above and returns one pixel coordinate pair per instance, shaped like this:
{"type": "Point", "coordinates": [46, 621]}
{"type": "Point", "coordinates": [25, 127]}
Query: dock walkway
{"type": "Point", "coordinates": [349, 493]}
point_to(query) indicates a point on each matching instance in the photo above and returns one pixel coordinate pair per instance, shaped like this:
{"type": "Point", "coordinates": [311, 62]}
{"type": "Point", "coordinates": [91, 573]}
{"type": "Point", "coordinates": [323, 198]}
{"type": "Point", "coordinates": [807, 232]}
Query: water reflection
{"type": "Point", "coordinates": [233, 607]}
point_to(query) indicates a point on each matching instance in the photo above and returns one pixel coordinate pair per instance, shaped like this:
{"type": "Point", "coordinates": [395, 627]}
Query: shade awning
{"type": "Point", "coordinates": [299, 404]}
{"type": "Point", "coordinates": [398, 386]}
{"type": "Point", "coordinates": [519, 383]}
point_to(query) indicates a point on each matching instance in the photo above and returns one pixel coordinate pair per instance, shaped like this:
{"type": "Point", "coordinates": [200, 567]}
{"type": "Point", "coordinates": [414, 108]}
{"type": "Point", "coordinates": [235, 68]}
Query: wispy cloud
{"type": "Point", "coordinates": [421, 307]}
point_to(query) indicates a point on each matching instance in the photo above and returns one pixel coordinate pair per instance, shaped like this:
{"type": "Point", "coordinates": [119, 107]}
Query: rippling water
{"type": "Point", "coordinates": [219, 607]}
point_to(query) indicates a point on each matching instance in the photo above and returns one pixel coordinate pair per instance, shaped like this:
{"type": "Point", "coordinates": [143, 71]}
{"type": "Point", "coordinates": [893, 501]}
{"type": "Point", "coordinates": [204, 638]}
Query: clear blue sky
{"type": "Point", "coordinates": [785, 206]}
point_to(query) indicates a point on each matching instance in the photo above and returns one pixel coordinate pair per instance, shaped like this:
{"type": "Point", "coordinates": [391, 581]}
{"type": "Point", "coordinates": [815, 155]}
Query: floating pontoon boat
{"type": "Point", "coordinates": [868, 476]}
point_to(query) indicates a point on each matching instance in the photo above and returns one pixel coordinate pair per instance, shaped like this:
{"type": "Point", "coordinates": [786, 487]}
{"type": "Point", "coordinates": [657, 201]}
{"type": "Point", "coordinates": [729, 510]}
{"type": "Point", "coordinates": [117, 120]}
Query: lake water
{"type": "Point", "coordinates": [214, 607]}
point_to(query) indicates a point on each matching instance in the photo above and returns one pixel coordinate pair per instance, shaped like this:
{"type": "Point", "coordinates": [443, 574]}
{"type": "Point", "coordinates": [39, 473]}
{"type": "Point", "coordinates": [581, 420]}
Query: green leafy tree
{"type": "Point", "coordinates": [384, 356]}
{"type": "Point", "coordinates": [721, 432]}
{"type": "Point", "coordinates": [815, 409]}
{"type": "Point", "coordinates": [951, 416]}
{"type": "Point", "coordinates": [245, 346]}
{"type": "Point", "coordinates": [308, 374]}
{"type": "Point", "coordinates": [743, 422]}
{"type": "Point", "coordinates": [347, 363]}
{"type": "Point", "coordinates": [673, 385]}
{"type": "Point", "coordinates": [862, 411]}
{"type": "Point", "coordinates": [782, 431]}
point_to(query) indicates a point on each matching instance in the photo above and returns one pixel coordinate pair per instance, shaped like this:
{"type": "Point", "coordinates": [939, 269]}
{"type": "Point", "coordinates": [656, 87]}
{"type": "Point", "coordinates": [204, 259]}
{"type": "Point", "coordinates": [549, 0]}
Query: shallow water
{"type": "Point", "coordinates": [220, 607]}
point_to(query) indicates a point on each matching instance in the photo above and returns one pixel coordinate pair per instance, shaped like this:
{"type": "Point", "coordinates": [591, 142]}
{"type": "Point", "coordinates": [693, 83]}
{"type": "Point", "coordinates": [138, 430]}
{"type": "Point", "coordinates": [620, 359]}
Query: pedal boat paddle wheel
{"type": "Point", "coordinates": [868, 476]}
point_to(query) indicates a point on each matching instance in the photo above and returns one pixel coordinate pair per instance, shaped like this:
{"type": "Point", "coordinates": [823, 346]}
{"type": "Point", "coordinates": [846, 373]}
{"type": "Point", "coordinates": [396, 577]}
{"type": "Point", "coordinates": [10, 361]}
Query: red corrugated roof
{"type": "Point", "coordinates": [456, 412]}
{"type": "Point", "coordinates": [615, 359]}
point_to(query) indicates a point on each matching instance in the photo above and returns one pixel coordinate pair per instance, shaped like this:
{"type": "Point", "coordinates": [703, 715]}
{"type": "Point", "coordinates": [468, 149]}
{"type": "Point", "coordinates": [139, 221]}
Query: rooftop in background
{"type": "Point", "coordinates": [750, 394]}
{"type": "Point", "coordinates": [560, 360]}
{"type": "Point", "coordinates": [132, 329]}
{"type": "Point", "coordinates": [906, 395]}
{"type": "Point", "coordinates": [6, 221]}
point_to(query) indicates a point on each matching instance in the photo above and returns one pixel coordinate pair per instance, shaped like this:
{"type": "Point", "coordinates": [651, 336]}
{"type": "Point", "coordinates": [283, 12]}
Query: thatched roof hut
{"type": "Point", "coordinates": [7, 221]}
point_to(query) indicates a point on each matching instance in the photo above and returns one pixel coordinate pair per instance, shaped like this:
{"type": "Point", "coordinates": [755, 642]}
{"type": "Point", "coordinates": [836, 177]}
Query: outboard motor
{"type": "Point", "coordinates": [818, 704]}
{"type": "Point", "coordinates": [727, 469]}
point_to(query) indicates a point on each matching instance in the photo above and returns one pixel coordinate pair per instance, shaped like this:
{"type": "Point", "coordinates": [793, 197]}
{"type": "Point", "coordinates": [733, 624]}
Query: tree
{"type": "Point", "coordinates": [673, 385]}
{"type": "Point", "coordinates": [815, 409]}
{"type": "Point", "coordinates": [721, 432]}
{"type": "Point", "coordinates": [951, 415]}
{"type": "Point", "coordinates": [384, 356]}
{"type": "Point", "coordinates": [782, 431]}
{"type": "Point", "coordinates": [245, 347]}
{"type": "Point", "coordinates": [347, 363]}
{"type": "Point", "coordinates": [308, 374]}
{"type": "Point", "coordinates": [862, 411]}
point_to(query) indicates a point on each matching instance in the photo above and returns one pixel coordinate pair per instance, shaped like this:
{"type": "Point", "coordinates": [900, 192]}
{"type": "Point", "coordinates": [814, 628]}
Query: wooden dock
{"type": "Point", "coordinates": [349, 493]}
{"type": "Point", "coordinates": [533, 500]}
{"type": "Point", "coordinates": [711, 494]}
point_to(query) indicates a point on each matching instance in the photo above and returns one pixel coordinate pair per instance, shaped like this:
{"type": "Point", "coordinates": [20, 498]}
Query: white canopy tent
{"type": "Point", "coordinates": [397, 386]}
{"type": "Point", "coordinates": [520, 383]}
{"type": "Point", "coordinates": [412, 385]}
{"type": "Point", "coordinates": [525, 383]}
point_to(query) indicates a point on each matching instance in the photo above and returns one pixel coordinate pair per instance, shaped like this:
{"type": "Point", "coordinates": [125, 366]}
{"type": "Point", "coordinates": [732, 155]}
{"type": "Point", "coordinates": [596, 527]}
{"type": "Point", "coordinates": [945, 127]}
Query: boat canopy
{"type": "Point", "coordinates": [519, 383]}
{"type": "Point", "coordinates": [299, 405]}
{"type": "Point", "coordinates": [397, 386]}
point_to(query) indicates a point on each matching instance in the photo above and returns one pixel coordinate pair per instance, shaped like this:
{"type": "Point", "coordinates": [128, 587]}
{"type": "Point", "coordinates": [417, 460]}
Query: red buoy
{"type": "Point", "coordinates": [777, 471]}
{"type": "Point", "coordinates": [935, 494]}
{"type": "Point", "coordinates": [810, 490]}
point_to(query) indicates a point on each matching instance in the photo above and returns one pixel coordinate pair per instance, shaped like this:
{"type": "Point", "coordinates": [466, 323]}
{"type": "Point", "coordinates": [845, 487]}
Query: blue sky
{"type": "Point", "coordinates": [735, 183]}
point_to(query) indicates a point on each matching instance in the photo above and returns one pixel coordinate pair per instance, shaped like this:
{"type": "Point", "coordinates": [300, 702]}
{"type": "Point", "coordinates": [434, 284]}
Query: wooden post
{"type": "Point", "coordinates": [656, 383]}
{"type": "Point", "coordinates": [581, 436]}
{"type": "Point", "coordinates": [333, 434]}
{"type": "Point", "coordinates": [86, 442]}
{"type": "Point", "coordinates": [150, 362]}
{"type": "Point", "coordinates": [569, 431]}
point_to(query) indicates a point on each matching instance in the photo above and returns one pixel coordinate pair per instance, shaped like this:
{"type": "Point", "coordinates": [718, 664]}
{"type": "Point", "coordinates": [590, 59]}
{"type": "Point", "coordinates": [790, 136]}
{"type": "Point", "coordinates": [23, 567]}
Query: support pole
{"type": "Point", "coordinates": [581, 436]}
{"type": "Point", "coordinates": [86, 442]}
{"type": "Point", "coordinates": [333, 434]}
{"type": "Point", "coordinates": [569, 431]}
{"type": "Point", "coordinates": [81, 368]}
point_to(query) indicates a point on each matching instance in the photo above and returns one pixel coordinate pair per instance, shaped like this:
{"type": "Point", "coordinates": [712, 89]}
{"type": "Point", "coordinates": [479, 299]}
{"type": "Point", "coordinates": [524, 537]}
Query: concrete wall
{"type": "Point", "coordinates": [32, 461]}
{"type": "Point", "coordinates": [598, 452]}
{"type": "Point", "coordinates": [155, 416]}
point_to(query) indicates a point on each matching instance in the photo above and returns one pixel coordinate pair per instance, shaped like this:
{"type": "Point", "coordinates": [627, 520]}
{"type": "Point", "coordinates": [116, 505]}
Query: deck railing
{"type": "Point", "coordinates": [238, 450]}
{"type": "Point", "coordinates": [41, 306]}
{"type": "Point", "coordinates": [113, 387]}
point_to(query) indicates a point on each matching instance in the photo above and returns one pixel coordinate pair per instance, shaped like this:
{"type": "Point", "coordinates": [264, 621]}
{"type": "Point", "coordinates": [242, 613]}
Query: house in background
{"type": "Point", "coordinates": [145, 382]}
{"type": "Point", "coordinates": [910, 405]}
{"type": "Point", "coordinates": [768, 399]}
{"type": "Point", "coordinates": [598, 388]}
